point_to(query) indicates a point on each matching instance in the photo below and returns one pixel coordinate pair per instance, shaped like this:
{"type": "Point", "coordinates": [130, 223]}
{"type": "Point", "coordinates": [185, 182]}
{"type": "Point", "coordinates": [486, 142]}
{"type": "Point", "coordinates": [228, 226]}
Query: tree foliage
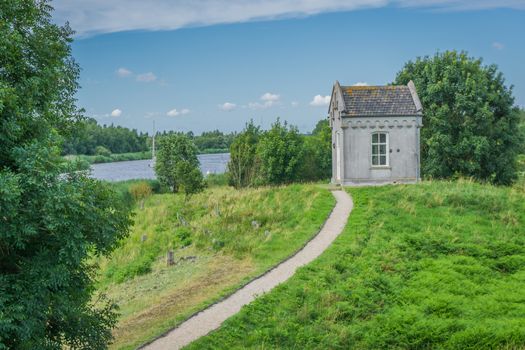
{"type": "Point", "coordinates": [51, 221]}
{"type": "Point", "coordinates": [470, 125]}
{"type": "Point", "coordinates": [317, 157]}
{"type": "Point", "coordinates": [177, 162]}
{"type": "Point", "coordinates": [242, 167]}
{"type": "Point", "coordinates": [88, 136]}
{"type": "Point", "coordinates": [280, 155]}
{"type": "Point", "coordinates": [280, 151]}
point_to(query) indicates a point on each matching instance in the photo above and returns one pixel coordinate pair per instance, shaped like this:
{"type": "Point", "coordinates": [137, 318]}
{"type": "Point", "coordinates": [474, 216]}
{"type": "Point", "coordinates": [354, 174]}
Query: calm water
{"type": "Point", "coordinates": [140, 169]}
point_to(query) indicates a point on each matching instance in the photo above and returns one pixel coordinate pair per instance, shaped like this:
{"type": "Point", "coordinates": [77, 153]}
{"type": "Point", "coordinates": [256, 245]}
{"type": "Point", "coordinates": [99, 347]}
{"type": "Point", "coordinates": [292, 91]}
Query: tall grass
{"type": "Point", "coordinates": [220, 238]}
{"type": "Point", "coordinates": [439, 265]}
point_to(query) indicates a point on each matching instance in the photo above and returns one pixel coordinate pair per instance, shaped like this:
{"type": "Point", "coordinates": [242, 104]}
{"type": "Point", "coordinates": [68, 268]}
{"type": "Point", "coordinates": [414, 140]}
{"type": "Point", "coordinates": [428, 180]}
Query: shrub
{"type": "Point", "coordinates": [102, 151]}
{"type": "Point", "coordinates": [140, 191]}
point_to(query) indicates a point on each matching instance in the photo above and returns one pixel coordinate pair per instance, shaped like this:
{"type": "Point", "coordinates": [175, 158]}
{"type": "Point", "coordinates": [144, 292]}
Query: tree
{"type": "Point", "coordinates": [279, 152]}
{"type": "Point", "coordinates": [522, 129]}
{"type": "Point", "coordinates": [53, 221]}
{"type": "Point", "coordinates": [190, 178]}
{"type": "Point", "coordinates": [176, 156]}
{"type": "Point", "coordinates": [316, 163]}
{"type": "Point", "coordinates": [242, 167]}
{"type": "Point", "coordinates": [470, 125]}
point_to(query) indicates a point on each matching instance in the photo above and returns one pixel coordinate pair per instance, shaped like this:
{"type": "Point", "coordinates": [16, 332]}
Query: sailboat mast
{"type": "Point", "coordinates": [153, 143]}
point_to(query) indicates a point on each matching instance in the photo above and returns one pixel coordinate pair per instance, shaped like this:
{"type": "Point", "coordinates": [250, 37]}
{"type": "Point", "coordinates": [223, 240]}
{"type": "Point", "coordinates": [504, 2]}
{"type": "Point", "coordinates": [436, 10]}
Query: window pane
{"type": "Point", "coordinates": [382, 138]}
{"type": "Point", "coordinates": [382, 149]}
{"type": "Point", "coordinates": [382, 160]}
{"type": "Point", "coordinates": [374, 138]}
{"type": "Point", "coordinates": [375, 160]}
{"type": "Point", "coordinates": [374, 149]}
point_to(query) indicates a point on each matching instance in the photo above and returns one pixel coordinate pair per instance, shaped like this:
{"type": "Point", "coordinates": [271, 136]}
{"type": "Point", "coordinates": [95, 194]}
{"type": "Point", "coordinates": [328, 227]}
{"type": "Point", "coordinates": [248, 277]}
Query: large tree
{"type": "Point", "coordinates": [51, 222]}
{"type": "Point", "coordinates": [470, 124]}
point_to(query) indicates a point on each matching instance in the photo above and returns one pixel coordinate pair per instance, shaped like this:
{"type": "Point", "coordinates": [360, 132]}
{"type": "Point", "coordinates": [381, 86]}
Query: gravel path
{"type": "Point", "coordinates": [211, 318]}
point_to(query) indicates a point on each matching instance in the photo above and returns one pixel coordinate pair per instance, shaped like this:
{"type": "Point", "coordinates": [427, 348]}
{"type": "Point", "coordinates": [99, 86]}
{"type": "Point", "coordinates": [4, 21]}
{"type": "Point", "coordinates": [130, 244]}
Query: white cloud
{"type": "Point", "coordinates": [116, 113]}
{"type": "Point", "coordinates": [146, 77]}
{"type": "Point", "coordinates": [123, 72]}
{"type": "Point", "coordinates": [175, 113]}
{"type": "Point", "coordinates": [361, 83]}
{"type": "Point", "coordinates": [227, 106]}
{"type": "Point", "coordinates": [269, 100]}
{"type": "Point", "coordinates": [102, 16]}
{"type": "Point", "coordinates": [269, 97]}
{"type": "Point", "coordinates": [498, 46]}
{"type": "Point", "coordinates": [320, 101]}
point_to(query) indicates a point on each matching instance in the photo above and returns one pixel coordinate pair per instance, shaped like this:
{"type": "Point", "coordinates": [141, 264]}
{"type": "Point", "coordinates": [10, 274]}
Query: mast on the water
{"type": "Point", "coordinates": [153, 159]}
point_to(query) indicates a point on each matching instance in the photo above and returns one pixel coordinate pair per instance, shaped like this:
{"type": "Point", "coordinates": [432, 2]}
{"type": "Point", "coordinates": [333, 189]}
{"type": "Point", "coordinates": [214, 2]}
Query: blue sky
{"type": "Point", "coordinates": [202, 68]}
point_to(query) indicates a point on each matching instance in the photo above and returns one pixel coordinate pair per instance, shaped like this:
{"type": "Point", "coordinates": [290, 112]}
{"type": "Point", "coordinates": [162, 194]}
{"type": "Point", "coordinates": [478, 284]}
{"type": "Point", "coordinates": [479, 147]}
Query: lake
{"type": "Point", "coordinates": [141, 169]}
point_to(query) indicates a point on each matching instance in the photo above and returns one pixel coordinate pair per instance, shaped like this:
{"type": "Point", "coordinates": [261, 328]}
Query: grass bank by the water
{"type": "Point", "coordinates": [221, 238]}
{"type": "Point", "coordinates": [438, 265]}
{"type": "Point", "coordinates": [119, 157]}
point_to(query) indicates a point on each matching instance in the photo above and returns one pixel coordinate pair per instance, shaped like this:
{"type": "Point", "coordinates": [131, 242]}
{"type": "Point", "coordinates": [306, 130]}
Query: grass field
{"type": "Point", "coordinates": [221, 238]}
{"type": "Point", "coordinates": [438, 265]}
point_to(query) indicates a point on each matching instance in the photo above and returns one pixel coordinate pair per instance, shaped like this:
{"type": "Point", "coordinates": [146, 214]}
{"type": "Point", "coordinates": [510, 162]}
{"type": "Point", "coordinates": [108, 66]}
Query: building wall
{"type": "Point", "coordinates": [403, 148]}
{"type": "Point", "coordinates": [336, 106]}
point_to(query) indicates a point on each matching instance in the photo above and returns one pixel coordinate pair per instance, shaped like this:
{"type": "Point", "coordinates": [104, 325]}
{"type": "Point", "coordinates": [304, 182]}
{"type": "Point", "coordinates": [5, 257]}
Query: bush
{"type": "Point", "coordinates": [102, 151]}
{"type": "Point", "coordinates": [140, 191]}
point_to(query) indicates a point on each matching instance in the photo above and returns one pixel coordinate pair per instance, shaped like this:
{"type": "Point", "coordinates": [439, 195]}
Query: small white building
{"type": "Point", "coordinates": [375, 134]}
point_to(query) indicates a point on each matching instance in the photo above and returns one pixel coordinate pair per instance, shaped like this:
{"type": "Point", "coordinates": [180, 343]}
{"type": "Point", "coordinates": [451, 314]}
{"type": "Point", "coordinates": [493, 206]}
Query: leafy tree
{"type": "Point", "coordinates": [279, 152]}
{"type": "Point", "coordinates": [176, 156]}
{"type": "Point", "coordinates": [88, 136]}
{"type": "Point", "coordinates": [317, 155]}
{"type": "Point", "coordinates": [470, 125]}
{"type": "Point", "coordinates": [242, 167]}
{"type": "Point", "coordinates": [52, 221]}
{"type": "Point", "coordinates": [190, 178]}
{"type": "Point", "coordinates": [522, 129]}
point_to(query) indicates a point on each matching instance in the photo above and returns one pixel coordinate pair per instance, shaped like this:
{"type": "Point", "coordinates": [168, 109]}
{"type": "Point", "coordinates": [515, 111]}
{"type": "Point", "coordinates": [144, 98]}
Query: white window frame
{"type": "Point", "coordinates": [379, 154]}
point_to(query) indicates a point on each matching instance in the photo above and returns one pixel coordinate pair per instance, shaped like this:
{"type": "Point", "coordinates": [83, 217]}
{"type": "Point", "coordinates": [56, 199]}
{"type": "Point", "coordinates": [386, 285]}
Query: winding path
{"type": "Point", "coordinates": [212, 317]}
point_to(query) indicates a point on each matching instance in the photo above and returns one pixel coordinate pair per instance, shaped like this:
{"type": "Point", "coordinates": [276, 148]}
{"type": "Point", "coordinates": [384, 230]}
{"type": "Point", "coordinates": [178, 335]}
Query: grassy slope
{"type": "Point", "coordinates": [436, 265]}
{"type": "Point", "coordinates": [219, 246]}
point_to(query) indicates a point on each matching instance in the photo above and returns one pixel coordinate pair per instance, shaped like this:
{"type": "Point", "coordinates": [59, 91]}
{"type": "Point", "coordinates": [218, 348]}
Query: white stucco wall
{"type": "Point", "coordinates": [356, 163]}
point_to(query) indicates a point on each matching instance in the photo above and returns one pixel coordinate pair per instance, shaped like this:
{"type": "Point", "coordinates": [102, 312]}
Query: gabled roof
{"type": "Point", "coordinates": [400, 100]}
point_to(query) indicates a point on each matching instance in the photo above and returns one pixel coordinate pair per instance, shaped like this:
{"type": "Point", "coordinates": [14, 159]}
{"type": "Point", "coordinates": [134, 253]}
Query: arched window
{"type": "Point", "coordinates": [380, 149]}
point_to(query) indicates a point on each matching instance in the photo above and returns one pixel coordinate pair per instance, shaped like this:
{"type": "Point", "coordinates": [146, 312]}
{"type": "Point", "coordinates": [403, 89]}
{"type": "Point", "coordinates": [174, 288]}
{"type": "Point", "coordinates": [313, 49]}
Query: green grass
{"type": "Point", "coordinates": [521, 169]}
{"type": "Point", "coordinates": [117, 157]}
{"type": "Point", "coordinates": [221, 238]}
{"type": "Point", "coordinates": [438, 265]}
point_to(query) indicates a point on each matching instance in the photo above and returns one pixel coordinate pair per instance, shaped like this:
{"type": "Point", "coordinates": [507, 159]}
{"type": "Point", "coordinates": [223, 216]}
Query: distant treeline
{"type": "Point", "coordinates": [91, 138]}
{"type": "Point", "coordinates": [209, 141]}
